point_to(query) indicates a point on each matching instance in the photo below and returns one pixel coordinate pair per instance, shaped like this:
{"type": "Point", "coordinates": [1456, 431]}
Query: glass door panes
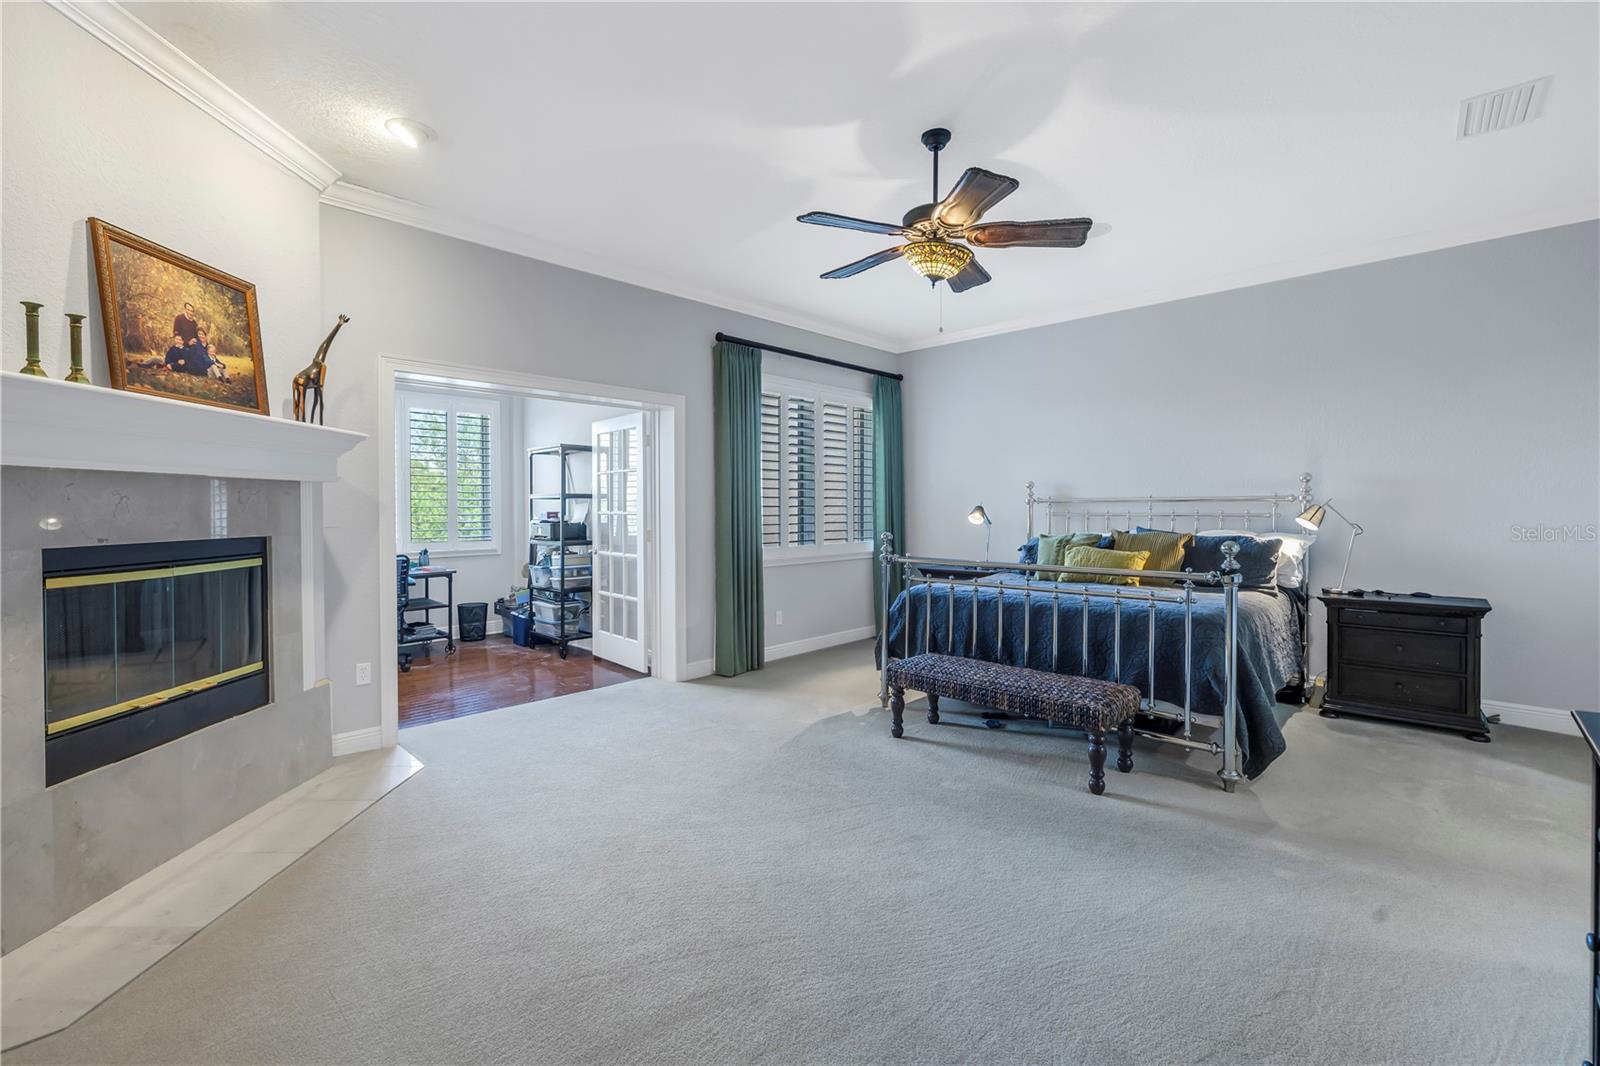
{"type": "Point", "coordinates": [618, 514]}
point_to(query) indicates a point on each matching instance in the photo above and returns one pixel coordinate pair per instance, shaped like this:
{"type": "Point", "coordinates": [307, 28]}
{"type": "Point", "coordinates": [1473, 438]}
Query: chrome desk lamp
{"type": "Point", "coordinates": [979, 517]}
{"type": "Point", "coordinates": [1312, 517]}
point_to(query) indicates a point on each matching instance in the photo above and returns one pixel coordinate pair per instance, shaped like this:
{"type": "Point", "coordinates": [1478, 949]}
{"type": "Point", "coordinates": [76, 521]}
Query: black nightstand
{"type": "Point", "coordinates": [1408, 658]}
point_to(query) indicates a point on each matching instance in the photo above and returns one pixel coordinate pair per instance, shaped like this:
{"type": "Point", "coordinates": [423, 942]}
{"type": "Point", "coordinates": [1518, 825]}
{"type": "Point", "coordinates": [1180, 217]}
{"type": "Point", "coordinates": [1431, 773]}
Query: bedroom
{"type": "Point", "coordinates": [1299, 288]}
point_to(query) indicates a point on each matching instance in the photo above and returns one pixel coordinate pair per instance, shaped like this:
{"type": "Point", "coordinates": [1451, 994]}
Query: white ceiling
{"type": "Point", "coordinates": [673, 144]}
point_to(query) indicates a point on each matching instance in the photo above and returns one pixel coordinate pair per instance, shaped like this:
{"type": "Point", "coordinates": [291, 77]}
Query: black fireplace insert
{"type": "Point", "coordinates": [147, 642]}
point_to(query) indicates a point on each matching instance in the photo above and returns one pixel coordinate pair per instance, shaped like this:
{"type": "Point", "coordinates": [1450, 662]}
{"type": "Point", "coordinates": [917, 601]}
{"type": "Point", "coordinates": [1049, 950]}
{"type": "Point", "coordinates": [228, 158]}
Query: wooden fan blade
{"type": "Point", "coordinates": [976, 192]}
{"type": "Point", "coordinates": [1051, 233]}
{"type": "Point", "coordinates": [972, 275]}
{"type": "Point", "coordinates": [828, 218]}
{"type": "Point", "coordinates": [877, 259]}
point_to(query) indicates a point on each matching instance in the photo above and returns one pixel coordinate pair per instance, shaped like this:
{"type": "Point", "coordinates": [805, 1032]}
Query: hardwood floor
{"type": "Point", "coordinates": [493, 673]}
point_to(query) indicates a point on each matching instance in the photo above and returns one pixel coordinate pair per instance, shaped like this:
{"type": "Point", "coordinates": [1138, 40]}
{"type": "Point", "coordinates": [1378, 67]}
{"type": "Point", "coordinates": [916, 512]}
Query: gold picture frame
{"type": "Point", "coordinates": [212, 352]}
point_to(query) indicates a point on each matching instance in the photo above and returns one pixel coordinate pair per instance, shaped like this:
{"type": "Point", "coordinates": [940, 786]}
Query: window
{"type": "Point", "coordinates": [446, 472]}
{"type": "Point", "coordinates": [816, 471]}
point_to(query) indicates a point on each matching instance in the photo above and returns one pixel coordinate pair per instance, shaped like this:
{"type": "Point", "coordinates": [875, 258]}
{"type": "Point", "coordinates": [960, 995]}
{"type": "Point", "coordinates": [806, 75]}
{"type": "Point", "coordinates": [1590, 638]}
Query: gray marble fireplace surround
{"type": "Point", "coordinates": [72, 844]}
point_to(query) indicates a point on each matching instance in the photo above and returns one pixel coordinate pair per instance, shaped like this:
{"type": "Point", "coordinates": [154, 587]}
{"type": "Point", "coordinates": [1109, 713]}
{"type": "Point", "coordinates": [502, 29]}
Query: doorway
{"type": "Point", "coordinates": [542, 506]}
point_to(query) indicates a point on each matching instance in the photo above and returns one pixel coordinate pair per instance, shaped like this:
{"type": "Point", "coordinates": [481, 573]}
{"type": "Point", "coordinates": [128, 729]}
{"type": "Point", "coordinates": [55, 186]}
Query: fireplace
{"type": "Point", "coordinates": [144, 643]}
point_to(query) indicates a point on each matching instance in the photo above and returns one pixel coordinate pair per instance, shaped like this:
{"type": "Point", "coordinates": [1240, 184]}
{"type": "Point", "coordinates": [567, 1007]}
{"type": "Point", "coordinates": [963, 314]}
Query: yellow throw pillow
{"type": "Point", "coordinates": [1166, 550]}
{"type": "Point", "coordinates": [1109, 558]}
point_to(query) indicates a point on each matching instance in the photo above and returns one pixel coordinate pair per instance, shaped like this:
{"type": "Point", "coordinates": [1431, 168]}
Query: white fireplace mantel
{"type": "Point", "coordinates": [50, 423]}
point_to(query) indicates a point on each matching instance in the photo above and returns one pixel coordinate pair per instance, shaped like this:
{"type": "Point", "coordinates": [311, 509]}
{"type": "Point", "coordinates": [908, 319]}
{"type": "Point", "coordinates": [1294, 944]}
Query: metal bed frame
{"type": "Point", "coordinates": [1253, 513]}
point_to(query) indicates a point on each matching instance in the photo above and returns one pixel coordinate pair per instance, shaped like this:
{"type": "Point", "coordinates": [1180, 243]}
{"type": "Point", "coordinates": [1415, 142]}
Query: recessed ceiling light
{"type": "Point", "coordinates": [408, 131]}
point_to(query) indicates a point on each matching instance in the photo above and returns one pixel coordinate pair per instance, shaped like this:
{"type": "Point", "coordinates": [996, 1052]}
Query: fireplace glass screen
{"type": "Point", "coordinates": [128, 632]}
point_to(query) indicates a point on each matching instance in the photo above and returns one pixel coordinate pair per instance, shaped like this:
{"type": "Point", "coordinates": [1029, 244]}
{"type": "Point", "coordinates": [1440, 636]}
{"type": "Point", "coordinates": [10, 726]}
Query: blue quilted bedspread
{"type": "Point", "coordinates": [1269, 644]}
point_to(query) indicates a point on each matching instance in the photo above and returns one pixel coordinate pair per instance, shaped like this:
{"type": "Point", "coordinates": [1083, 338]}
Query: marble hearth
{"type": "Point", "coordinates": [225, 475]}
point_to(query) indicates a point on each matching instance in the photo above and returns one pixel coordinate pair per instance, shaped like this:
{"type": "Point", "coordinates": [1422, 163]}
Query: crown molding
{"type": "Point", "coordinates": [116, 27]}
{"type": "Point", "coordinates": [1377, 252]}
{"type": "Point", "coordinates": [113, 25]}
{"type": "Point", "coordinates": [362, 200]}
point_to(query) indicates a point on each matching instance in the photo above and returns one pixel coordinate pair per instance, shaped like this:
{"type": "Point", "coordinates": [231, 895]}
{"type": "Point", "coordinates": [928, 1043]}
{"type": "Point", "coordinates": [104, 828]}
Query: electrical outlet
{"type": "Point", "coordinates": [363, 673]}
{"type": "Point", "coordinates": [779, 619]}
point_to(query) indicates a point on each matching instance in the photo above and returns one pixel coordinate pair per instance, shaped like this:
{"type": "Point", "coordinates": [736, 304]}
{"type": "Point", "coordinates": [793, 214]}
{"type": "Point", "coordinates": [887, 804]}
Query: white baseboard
{"type": "Point", "coordinates": [699, 668]}
{"type": "Point", "coordinates": [827, 640]}
{"type": "Point", "coordinates": [1550, 719]}
{"type": "Point", "coordinates": [356, 740]}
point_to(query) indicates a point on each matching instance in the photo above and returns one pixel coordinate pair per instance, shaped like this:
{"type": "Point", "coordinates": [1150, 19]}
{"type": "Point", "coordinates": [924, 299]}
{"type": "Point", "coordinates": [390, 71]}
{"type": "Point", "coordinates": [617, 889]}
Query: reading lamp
{"type": "Point", "coordinates": [979, 517]}
{"type": "Point", "coordinates": [1311, 518]}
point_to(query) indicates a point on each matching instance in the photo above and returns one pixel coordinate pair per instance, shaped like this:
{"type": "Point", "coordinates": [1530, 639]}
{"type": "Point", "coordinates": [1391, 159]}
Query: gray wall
{"type": "Point", "coordinates": [1443, 400]}
{"type": "Point", "coordinates": [81, 135]}
{"type": "Point", "coordinates": [413, 293]}
{"type": "Point", "coordinates": [67, 846]}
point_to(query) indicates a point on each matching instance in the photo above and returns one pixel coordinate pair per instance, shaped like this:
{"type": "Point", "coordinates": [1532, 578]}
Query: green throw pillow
{"type": "Point", "coordinates": [1052, 548]}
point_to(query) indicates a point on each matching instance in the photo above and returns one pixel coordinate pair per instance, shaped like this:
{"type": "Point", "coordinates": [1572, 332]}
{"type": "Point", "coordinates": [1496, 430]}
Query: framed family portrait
{"type": "Point", "coordinates": [176, 327]}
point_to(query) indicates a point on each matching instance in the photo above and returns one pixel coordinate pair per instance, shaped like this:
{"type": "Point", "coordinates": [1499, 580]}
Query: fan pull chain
{"type": "Point", "coordinates": [941, 301]}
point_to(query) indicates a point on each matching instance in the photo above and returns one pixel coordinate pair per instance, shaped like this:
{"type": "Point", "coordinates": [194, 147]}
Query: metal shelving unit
{"type": "Point", "coordinates": [569, 584]}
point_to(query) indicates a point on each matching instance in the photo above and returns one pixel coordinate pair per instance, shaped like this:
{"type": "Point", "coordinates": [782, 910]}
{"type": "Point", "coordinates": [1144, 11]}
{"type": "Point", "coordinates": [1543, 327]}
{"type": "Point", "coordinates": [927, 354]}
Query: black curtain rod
{"type": "Point", "coordinates": [812, 358]}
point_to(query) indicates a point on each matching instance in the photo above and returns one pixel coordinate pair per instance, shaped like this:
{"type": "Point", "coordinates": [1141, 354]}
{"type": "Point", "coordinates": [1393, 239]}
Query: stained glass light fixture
{"type": "Point", "coordinates": [937, 260]}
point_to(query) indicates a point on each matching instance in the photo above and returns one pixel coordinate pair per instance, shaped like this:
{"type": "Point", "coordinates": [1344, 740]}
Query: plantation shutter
{"type": "Point", "coordinates": [474, 478]}
{"type": "Point", "coordinates": [835, 472]}
{"type": "Point", "coordinates": [800, 460]}
{"type": "Point", "coordinates": [428, 446]}
{"type": "Point", "coordinates": [861, 474]}
{"type": "Point", "coordinates": [771, 468]}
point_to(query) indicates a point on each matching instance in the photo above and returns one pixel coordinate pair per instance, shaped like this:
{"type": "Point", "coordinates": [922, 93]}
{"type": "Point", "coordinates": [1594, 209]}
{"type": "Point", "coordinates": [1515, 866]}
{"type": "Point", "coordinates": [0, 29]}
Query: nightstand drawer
{"type": "Point", "coordinates": [1410, 651]}
{"type": "Point", "coordinates": [1370, 685]}
{"type": "Point", "coordinates": [1368, 616]}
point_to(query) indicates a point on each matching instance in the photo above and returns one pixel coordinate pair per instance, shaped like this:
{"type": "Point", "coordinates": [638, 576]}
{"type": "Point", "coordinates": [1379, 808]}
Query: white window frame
{"type": "Point", "coordinates": [795, 554]}
{"type": "Point", "coordinates": [453, 404]}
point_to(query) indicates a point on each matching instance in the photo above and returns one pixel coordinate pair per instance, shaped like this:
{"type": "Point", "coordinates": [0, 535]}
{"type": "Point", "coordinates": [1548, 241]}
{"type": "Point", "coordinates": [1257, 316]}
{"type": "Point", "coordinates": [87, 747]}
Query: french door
{"type": "Point", "coordinates": [617, 615]}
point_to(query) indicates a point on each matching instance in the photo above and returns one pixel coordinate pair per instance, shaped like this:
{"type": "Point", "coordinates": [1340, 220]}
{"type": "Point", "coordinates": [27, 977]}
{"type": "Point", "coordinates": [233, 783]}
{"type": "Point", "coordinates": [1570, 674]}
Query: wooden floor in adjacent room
{"type": "Point", "coordinates": [493, 673]}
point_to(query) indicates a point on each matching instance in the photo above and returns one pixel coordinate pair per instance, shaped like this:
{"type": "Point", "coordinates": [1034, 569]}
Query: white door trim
{"type": "Point", "coordinates": [670, 617]}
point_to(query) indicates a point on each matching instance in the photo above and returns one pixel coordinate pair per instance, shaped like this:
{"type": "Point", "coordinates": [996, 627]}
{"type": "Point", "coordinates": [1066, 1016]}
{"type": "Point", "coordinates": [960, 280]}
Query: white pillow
{"type": "Point", "coordinates": [1291, 556]}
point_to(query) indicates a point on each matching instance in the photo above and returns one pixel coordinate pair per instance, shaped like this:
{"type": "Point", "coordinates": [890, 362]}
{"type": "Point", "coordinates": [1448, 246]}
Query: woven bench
{"type": "Point", "coordinates": [1096, 707]}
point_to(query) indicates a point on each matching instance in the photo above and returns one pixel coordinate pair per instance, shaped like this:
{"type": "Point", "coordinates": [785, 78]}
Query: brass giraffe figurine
{"type": "Point", "coordinates": [312, 378]}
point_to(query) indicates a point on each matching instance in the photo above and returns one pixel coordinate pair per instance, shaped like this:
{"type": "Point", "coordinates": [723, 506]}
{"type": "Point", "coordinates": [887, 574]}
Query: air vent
{"type": "Point", "coordinates": [1501, 110]}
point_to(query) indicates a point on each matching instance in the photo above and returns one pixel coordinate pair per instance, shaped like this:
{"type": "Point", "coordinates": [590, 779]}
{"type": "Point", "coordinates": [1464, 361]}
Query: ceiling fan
{"type": "Point", "coordinates": [933, 231]}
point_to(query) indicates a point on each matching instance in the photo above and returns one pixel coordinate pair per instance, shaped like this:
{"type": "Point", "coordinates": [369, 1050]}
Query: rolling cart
{"type": "Point", "coordinates": [552, 618]}
{"type": "Point", "coordinates": [413, 635]}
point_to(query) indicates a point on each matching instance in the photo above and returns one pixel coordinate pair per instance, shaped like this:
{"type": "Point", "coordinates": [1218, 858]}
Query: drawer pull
{"type": "Point", "coordinates": [1400, 685]}
{"type": "Point", "coordinates": [1588, 939]}
{"type": "Point", "coordinates": [1399, 649]}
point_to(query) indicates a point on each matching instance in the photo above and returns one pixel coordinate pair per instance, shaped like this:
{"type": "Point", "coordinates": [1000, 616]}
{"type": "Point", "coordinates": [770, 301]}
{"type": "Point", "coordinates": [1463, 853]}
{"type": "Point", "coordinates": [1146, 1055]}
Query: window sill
{"type": "Point", "coordinates": [451, 553]}
{"type": "Point", "coordinates": [801, 556]}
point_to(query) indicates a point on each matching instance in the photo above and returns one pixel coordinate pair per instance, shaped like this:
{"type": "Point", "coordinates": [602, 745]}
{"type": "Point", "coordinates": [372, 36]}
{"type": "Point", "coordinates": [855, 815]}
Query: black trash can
{"type": "Point", "coordinates": [472, 620]}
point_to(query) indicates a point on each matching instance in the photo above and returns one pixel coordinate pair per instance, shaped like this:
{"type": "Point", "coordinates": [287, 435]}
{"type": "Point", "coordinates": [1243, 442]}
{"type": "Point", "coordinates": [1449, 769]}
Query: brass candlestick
{"type": "Point", "coordinates": [32, 366]}
{"type": "Point", "coordinates": [76, 373]}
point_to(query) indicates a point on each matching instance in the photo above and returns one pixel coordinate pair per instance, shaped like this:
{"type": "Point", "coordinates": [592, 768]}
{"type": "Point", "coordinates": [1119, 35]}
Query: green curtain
{"type": "Point", "coordinates": [889, 480]}
{"type": "Point", "coordinates": [736, 401]}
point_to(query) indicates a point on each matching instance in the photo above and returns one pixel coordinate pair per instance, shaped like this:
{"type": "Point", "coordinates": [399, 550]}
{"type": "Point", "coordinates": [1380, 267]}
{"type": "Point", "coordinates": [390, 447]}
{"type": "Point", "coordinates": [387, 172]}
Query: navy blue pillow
{"type": "Point", "coordinates": [1257, 558]}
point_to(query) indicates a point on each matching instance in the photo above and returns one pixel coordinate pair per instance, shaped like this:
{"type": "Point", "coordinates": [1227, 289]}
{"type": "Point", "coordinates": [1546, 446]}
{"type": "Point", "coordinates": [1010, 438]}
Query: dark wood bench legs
{"type": "Point", "coordinates": [1097, 755]}
{"type": "Point", "coordinates": [1097, 739]}
{"type": "Point", "coordinates": [1097, 761]}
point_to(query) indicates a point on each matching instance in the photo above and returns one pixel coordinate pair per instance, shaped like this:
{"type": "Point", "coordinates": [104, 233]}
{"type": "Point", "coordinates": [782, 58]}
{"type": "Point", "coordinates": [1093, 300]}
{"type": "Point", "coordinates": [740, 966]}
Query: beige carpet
{"type": "Point", "coordinates": [753, 871]}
